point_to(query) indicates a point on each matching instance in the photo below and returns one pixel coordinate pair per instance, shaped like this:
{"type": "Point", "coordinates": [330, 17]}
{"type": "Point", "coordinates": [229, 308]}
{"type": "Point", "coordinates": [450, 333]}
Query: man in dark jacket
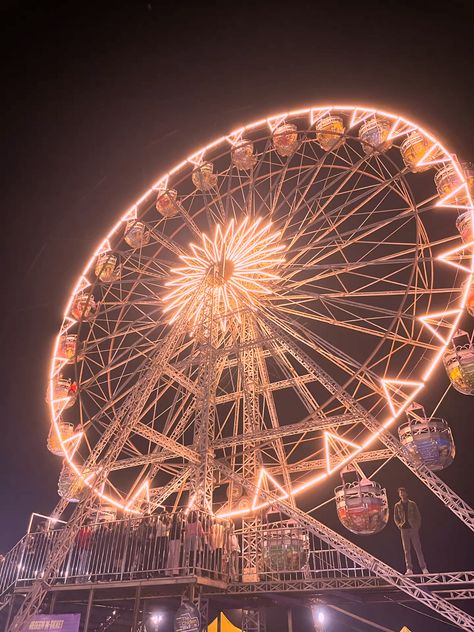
{"type": "Point", "coordinates": [408, 519]}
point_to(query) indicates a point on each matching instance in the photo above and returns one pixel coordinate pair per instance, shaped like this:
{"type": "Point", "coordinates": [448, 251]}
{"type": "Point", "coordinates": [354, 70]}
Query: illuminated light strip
{"type": "Point", "coordinates": [445, 255]}
{"type": "Point", "coordinates": [162, 182]}
{"type": "Point", "coordinates": [321, 114]}
{"type": "Point", "coordinates": [79, 287]}
{"type": "Point", "coordinates": [105, 245]}
{"type": "Point", "coordinates": [70, 321]}
{"type": "Point", "coordinates": [395, 132]}
{"type": "Point", "coordinates": [131, 214]}
{"type": "Point", "coordinates": [234, 137]}
{"type": "Point", "coordinates": [263, 473]}
{"type": "Point", "coordinates": [60, 362]}
{"type": "Point", "coordinates": [327, 447]}
{"type": "Point", "coordinates": [48, 518]}
{"type": "Point", "coordinates": [144, 486]}
{"type": "Point", "coordinates": [196, 159]}
{"type": "Point", "coordinates": [63, 407]}
{"type": "Point", "coordinates": [426, 317]}
{"type": "Point", "coordinates": [385, 383]}
{"type": "Point", "coordinates": [423, 160]}
{"type": "Point", "coordinates": [444, 200]}
{"type": "Point", "coordinates": [355, 119]}
{"type": "Point", "coordinates": [275, 121]}
{"type": "Point", "coordinates": [77, 438]}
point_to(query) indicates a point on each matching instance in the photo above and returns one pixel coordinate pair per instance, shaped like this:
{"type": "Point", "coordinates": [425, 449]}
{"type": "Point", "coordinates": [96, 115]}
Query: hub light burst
{"type": "Point", "coordinates": [239, 263]}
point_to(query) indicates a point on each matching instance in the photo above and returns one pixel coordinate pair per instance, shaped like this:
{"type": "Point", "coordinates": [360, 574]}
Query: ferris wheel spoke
{"type": "Point", "coordinates": [362, 231]}
{"type": "Point", "coordinates": [346, 173]}
{"type": "Point", "coordinates": [295, 333]}
{"type": "Point", "coordinates": [396, 258]}
{"type": "Point", "coordinates": [273, 414]}
{"type": "Point", "coordinates": [165, 241]}
{"type": "Point", "coordinates": [378, 331]}
{"type": "Point", "coordinates": [361, 202]}
{"type": "Point", "coordinates": [315, 465]}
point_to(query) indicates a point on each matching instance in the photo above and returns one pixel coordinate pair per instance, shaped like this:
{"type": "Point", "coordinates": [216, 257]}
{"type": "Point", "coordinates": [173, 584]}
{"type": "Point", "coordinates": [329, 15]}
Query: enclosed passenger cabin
{"type": "Point", "coordinates": [242, 155]}
{"type": "Point", "coordinates": [427, 441]}
{"type": "Point", "coordinates": [285, 547]}
{"type": "Point", "coordinates": [136, 234]}
{"type": "Point", "coordinates": [64, 393]}
{"type": "Point", "coordinates": [83, 306]}
{"type": "Point", "coordinates": [374, 135]}
{"type": "Point", "coordinates": [449, 184]}
{"type": "Point", "coordinates": [167, 202]}
{"type": "Point", "coordinates": [458, 361]}
{"type": "Point", "coordinates": [470, 296]}
{"type": "Point", "coordinates": [413, 149]}
{"type": "Point", "coordinates": [68, 346]}
{"type": "Point", "coordinates": [362, 506]}
{"type": "Point", "coordinates": [70, 486]}
{"type": "Point", "coordinates": [65, 431]}
{"type": "Point", "coordinates": [203, 177]}
{"type": "Point", "coordinates": [464, 226]}
{"type": "Point", "coordinates": [285, 139]}
{"type": "Point", "coordinates": [329, 131]}
{"type": "Point", "coordinates": [106, 268]}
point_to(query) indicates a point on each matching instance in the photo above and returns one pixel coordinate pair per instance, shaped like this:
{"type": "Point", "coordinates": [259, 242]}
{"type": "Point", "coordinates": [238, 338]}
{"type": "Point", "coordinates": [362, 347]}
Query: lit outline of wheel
{"type": "Point", "coordinates": [400, 127]}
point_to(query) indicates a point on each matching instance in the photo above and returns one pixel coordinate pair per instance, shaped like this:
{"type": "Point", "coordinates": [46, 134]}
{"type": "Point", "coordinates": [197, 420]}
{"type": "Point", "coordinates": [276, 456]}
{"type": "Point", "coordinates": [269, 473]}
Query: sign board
{"type": "Point", "coordinates": [59, 622]}
{"type": "Point", "coordinates": [186, 619]}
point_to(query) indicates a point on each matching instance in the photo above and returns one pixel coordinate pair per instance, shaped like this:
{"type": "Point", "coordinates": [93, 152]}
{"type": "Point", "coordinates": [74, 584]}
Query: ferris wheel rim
{"type": "Point", "coordinates": [272, 122]}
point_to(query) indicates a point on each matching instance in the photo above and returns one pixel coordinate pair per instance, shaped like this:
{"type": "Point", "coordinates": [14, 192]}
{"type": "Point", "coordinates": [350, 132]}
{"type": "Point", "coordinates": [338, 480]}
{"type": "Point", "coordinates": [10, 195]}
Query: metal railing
{"type": "Point", "coordinates": [288, 552]}
{"type": "Point", "coordinates": [195, 544]}
{"type": "Point", "coordinates": [166, 545]}
{"type": "Point", "coordinates": [174, 545]}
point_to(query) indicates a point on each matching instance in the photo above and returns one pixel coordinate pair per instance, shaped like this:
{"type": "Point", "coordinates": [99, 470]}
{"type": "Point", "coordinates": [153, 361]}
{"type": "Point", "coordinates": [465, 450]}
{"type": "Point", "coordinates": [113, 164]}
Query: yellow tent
{"type": "Point", "coordinates": [226, 625]}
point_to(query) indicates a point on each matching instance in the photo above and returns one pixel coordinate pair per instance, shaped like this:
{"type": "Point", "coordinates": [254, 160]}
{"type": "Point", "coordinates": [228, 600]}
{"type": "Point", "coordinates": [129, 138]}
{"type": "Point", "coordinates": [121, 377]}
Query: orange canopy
{"type": "Point", "coordinates": [226, 625]}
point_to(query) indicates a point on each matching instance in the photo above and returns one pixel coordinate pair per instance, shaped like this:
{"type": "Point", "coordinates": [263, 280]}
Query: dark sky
{"type": "Point", "coordinates": [100, 97]}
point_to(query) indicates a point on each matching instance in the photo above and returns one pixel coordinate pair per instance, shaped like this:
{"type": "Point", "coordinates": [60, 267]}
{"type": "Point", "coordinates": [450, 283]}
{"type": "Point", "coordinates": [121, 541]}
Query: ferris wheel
{"type": "Point", "coordinates": [265, 316]}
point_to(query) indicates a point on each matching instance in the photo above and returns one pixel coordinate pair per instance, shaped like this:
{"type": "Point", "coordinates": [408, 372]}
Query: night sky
{"type": "Point", "coordinates": [99, 98]}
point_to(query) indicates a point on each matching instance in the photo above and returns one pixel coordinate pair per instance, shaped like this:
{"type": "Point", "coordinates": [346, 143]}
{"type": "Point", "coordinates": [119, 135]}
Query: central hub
{"type": "Point", "coordinates": [221, 272]}
{"type": "Point", "coordinates": [239, 263]}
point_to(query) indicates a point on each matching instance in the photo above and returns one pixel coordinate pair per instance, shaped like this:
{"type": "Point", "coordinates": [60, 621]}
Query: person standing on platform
{"type": "Point", "coordinates": [408, 519]}
{"type": "Point", "coordinates": [176, 530]}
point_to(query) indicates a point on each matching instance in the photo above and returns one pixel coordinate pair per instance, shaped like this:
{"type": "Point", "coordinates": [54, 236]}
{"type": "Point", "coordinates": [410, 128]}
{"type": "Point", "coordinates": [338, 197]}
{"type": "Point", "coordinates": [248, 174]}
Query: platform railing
{"type": "Point", "coordinates": [10, 565]}
{"type": "Point", "coordinates": [163, 545]}
{"type": "Point", "coordinates": [175, 545]}
{"type": "Point", "coordinates": [289, 552]}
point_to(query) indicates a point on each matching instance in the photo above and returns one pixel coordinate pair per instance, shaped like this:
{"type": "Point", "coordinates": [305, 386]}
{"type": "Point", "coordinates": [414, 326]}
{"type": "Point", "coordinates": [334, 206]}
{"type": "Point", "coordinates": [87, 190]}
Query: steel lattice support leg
{"type": "Point", "coordinates": [201, 603]}
{"type": "Point", "coordinates": [248, 364]}
{"type": "Point", "coordinates": [205, 420]}
{"type": "Point", "coordinates": [253, 620]}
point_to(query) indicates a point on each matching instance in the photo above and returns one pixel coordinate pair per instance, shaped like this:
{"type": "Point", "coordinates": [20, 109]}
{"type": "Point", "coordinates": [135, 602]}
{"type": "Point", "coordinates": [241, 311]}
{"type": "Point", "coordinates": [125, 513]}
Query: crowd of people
{"type": "Point", "coordinates": [164, 544]}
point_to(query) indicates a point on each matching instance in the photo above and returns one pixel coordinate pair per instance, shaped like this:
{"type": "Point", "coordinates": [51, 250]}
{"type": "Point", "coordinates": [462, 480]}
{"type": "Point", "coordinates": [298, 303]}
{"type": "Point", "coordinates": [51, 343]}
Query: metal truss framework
{"type": "Point", "coordinates": [336, 235]}
{"type": "Point", "coordinates": [253, 620]}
